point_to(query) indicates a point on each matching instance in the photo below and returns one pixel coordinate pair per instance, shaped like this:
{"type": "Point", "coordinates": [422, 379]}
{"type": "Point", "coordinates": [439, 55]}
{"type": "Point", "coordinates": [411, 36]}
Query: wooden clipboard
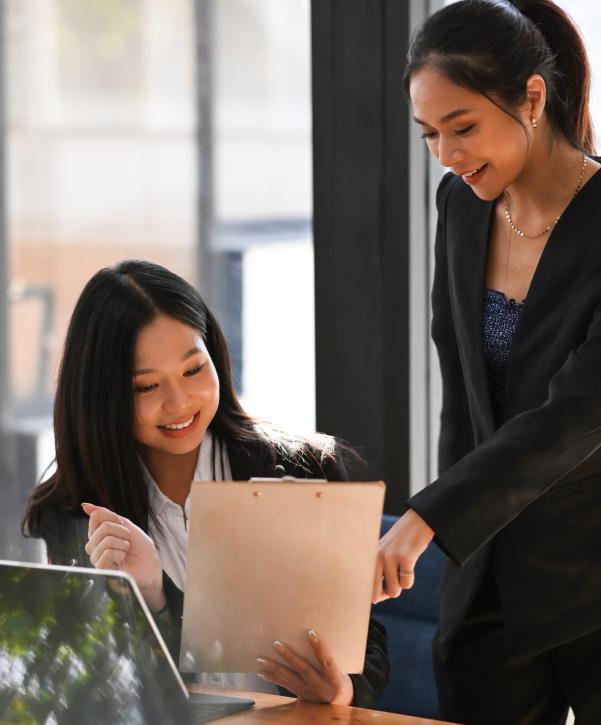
{"type": "Point", "coordinates": [273, 558]}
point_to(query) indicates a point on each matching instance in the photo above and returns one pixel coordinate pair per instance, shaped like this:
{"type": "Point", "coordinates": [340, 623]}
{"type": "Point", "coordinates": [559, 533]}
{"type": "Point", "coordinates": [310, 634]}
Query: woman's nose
{"type": "Point", "coordinates": [448, 152]}
{"type": "Point", "coordinates": [176, 398]}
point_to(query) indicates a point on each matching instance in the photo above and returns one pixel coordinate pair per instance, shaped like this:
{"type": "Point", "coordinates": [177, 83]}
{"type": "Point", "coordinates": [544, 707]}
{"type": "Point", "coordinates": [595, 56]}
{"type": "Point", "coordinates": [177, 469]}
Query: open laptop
{"type": "Point", "coordinates": [80, 646]}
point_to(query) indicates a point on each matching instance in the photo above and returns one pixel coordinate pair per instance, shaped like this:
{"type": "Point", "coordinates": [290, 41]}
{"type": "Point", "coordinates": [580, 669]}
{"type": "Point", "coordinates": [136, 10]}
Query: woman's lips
{"type": "Point", "coordinates": [181, 432]}
{"type": "Point", "coordinates": [474, 178]}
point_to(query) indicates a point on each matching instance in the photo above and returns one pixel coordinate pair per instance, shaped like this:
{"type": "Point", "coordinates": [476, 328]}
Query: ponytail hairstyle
{"type": "Point", "coordinates": [97, 456]}
{"type": "Point", "coordinates": [493, 47]}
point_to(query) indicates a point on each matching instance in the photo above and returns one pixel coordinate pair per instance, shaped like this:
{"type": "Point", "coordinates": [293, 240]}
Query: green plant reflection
{"type": "Point", "coordinates": [76, 648]}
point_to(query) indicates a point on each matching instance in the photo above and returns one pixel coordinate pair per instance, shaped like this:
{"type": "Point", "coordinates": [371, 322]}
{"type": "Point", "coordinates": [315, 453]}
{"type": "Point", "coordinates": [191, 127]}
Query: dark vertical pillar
{"type": "Point", "coordinates": [219, 272]}
{"type": "Point", "coordinates": [361, 232]}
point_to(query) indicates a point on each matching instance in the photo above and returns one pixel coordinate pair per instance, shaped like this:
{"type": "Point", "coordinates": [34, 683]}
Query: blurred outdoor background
{"type": "Point", "coordinates": [177, 131]}
{"type": "Point", "coordinates": [104, 164]}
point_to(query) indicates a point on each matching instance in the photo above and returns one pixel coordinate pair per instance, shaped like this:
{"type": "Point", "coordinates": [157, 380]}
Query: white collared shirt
{"type": "Point", "coordinates": [172, 548]}
{"type": "Point", "coordinates": [172, 544]}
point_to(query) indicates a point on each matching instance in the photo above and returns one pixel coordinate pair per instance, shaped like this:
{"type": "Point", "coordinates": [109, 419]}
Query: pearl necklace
{"type": "Point", "coordinates": [548, 229]}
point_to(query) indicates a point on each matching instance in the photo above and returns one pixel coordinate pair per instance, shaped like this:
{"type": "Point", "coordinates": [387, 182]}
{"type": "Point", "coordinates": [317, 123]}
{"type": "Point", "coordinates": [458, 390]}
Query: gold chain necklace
{"type": "Point", "coordinates": [548, 229]}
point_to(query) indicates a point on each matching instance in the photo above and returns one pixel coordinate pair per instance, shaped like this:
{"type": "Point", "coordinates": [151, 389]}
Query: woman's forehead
{"type": "Point", "coordinates": [166, 341]}
{"type": "Point", "coordinates": [437, 100]}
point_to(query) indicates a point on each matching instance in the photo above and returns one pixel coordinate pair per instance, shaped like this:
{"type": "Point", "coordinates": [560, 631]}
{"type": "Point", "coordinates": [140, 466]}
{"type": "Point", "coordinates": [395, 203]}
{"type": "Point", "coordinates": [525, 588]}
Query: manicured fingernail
{"type": "Point", "coordinates": [262, 677]}
{"type": "Point", "coordinates": [261, 660]}
{"type": "Point", "coordinates": [312, 635]}
{"type": "Point", "coordinates": [277, 644]}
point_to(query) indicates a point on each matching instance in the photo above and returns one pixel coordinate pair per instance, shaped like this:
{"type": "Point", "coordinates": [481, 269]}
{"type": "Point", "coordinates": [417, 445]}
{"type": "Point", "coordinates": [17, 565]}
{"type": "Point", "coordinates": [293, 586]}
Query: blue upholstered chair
{"type": "Point", "coordinates": [411, 622]}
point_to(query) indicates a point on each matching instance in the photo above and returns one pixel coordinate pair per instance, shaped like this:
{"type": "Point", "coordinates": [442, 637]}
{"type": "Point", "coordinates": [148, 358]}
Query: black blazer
{"type": "Point", "coordinates": [66, 534]}
{"type": "Point", "coordinates": [529, 492]}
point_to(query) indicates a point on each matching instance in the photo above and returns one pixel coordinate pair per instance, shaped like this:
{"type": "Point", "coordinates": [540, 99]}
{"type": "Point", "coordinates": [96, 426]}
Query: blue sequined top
{"type": "Point", "coordinates": [500, 320]}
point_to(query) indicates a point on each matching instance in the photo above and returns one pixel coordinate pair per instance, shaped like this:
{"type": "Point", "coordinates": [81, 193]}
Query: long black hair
{"type": "Point", "coordinates": [493, 47]}
{"type": "Point", "coordinates": [97, 455]}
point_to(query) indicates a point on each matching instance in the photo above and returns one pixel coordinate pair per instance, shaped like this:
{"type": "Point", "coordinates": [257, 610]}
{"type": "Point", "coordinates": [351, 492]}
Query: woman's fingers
{"type": "Point", "coordinates": [297, 663]}
{"type": "Point", "coordinates": [329, 668]}
{"type": "Point", "coordinates": [270, 677]}
{"type": "Point", "coordinates": [378, 594]}
{"type": "Point", "coordinates": [108, 528]}
{"type": "Point", "coordinates": [406, 575]}
{"type": "Point", "coordinates": [293, 686]}
{"type": "Point", "coordinates": [98, 515]}
{"type": "Point", "coordinates": [109, 553]}
{"type": "Point", "coordinates": [391, 572]}
{"type": "Point", "coordinates": [398, 552]}
{"type": "Point", "coordinates": [281, 675]}
{"type": "Point", "coordinates": [111, 560]}
{"type": "Point", "coordinates": [300, 677]}
{"type": "Point", "coordinates": [117, 543]}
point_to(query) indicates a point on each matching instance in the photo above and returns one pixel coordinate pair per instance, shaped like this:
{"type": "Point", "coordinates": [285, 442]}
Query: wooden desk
{"type": "Point", "coordinates": [271, 709]}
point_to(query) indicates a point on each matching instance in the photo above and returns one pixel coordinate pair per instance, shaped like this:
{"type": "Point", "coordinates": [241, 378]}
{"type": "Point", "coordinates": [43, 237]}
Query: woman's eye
{"type": "Point", "coordinates": [429, 135]}
{"type": "Point", "coordinates": [146, 388]}
{"type": "Point", "coordinates": [463, 131]}
{"type": "Point", "coordinates": [195, 370]}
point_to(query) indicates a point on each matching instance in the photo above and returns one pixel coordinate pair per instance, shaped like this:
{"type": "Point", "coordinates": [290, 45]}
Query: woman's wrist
{"type": "Point", "coordinates": [154, 595]}
{"type": "Point", "coordinates": [423, 530]}
{"type": "Point", "coordinates": [164, 608]}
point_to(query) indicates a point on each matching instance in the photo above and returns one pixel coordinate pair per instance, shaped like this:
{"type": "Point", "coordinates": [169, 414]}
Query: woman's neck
{"type": "Point", "coordinates": [173, 474]}
{"type": "Point", "coordinates": [547, 181]}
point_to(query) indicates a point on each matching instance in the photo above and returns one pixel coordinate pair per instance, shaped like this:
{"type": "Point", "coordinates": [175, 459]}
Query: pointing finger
{"type": "Point", "coordinates": [329, 667]}
{"type": "Point", "coordinates": [379, 575]}
{"type": "Point", "coordinates": [98, 515]}
{"type": "Point", "coordinates": [391, 572]}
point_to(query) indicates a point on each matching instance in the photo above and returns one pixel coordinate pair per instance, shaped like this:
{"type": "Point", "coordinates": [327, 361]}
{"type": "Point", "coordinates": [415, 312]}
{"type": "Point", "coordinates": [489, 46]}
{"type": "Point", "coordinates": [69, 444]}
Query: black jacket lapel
{"type": "Point", "coordinates": [467, 239]}
{"type": "Point", "coordinates": [559, 278]}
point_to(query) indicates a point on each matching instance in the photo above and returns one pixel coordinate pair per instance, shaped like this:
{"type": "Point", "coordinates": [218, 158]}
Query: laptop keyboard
{"type": "Point", "coordinates": [190, 713]}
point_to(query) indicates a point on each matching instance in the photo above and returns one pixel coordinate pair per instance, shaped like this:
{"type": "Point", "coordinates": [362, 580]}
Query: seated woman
{"type": "Point", "coordinates": [145, 405]}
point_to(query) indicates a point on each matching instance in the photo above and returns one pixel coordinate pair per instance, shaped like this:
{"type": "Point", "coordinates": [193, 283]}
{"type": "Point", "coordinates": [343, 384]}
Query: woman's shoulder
{"type": "Point", "coordinates": [446, 186]}
{"type": "Point", "coordinates": [454, 195]}
{"type": "Point", "coordinates": [277, 454]}
{"type": "Point", "coordinates": [65, 532]}
{"type": "Point", "coordinates": [315, 456]}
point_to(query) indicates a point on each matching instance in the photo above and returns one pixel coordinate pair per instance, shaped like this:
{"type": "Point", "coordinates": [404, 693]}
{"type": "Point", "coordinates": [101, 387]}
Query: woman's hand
{"type": "Point", "coordinates": [398, 552]}
{"type": "Point", "coordinates": [330, 685]}
{"type": "Point", "coordinates": [115, 543]}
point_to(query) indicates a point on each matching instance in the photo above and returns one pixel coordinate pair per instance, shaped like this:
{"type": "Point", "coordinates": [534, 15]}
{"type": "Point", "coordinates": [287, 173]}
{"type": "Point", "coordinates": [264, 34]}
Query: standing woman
{"type": "Point", "coordinates": [501, 92]}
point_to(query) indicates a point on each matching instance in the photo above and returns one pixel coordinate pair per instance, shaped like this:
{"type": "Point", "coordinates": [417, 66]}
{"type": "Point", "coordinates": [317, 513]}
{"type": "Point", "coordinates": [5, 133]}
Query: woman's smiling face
{"type": "Point", "coordinates": [468, 133]}
{"type": "Point", "coordinates": [176, 388]}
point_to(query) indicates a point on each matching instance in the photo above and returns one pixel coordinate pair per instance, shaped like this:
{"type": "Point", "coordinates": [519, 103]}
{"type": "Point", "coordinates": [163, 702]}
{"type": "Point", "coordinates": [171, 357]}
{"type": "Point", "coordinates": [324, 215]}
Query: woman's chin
{"type": "Point", "coordinates": [175, 446]}
{"type": "Point", "coordinates": [486, 192]}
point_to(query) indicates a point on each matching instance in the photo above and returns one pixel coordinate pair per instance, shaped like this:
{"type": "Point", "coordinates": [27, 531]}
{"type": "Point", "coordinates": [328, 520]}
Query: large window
{"type": "Point", "coordinates": [263, 196]}
{"type": "Point", "coordinates": [104, 162]}
{"type": "Point", "coordinates": [587, 15]}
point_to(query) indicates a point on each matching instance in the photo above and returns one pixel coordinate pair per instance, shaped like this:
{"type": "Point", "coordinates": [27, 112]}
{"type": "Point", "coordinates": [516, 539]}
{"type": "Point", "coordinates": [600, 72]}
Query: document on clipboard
{"type": "Point", "coordinates": [273, 558]}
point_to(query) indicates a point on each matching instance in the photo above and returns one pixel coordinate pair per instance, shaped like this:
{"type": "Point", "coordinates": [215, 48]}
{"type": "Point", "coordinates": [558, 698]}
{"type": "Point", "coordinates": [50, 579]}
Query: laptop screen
{"type": "Point", "coordinates": [77, 645]}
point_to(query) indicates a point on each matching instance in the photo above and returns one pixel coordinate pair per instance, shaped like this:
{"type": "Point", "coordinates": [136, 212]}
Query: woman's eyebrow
{"type": "Point", "coordinates": [143, 371]}
{"type": "Point", "coordinates": [447, 118]}
{"type": "Point", "coordinates": [183, 358]}
{"type": "Point", "coordinates": [190, 352]}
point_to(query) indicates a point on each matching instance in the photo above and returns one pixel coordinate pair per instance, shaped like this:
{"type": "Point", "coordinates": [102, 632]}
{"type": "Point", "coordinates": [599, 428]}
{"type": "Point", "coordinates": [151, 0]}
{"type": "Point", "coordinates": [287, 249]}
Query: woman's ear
{"type": "Point", "coordinates": [537, 94]}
